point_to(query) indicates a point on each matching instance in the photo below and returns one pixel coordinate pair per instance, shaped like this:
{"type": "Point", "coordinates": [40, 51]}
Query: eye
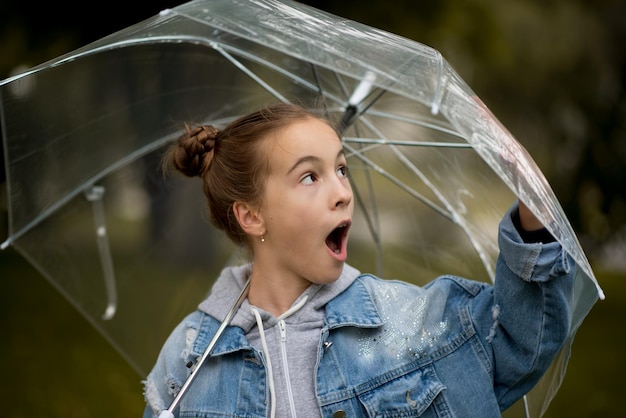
{"type": "Point", "coordinates": [342, 171]}
{"type": "Point", "coordinates": [308, 179]}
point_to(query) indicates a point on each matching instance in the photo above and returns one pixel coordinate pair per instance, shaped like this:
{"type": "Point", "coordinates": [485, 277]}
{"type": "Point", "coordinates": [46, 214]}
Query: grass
{"type": "Point", "coordinates": [56, 365]}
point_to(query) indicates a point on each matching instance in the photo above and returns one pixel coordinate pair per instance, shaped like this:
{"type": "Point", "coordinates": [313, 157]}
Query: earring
{"type": "Point", "coordinates": [262, 238]}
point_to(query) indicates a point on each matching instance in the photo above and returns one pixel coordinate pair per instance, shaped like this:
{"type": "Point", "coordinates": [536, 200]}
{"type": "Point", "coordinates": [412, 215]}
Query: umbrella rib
{"type": "Point", "coordinates": [317, 79]}
{"type": "Point", "coordinates": [374, 227]}
{"type": "Point", "coordinates": [341, 83]}
{"type": "Point", "coordinates": [374, 230]}
{"type": "Point", "coordinates": [383, 141]}
{"type": "Point", "coordinates": [371, 102]}
{"type": "Point", "coordinates": [249, 73]}
{"type": "Point", "coordinates": [279, 70]}
{"type": "Point", "coordinates": [354, 152]}
{"type": "Point", "coordinates": [453, 217]}
{"type": "Point", "coordinates": [428, 125]}
{"type": "Point", "coordinates": [320, 90]}
{"type": "Point", "coordinates": [268, 64]}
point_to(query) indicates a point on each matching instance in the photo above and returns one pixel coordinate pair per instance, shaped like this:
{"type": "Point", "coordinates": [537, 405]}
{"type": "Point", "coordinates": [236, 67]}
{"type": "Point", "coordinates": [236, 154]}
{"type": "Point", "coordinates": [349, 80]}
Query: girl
{"type": "Point", "coordinates": [315, 337]}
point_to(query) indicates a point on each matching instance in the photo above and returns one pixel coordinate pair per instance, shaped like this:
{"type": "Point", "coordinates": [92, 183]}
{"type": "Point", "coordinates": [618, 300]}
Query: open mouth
{"type": "Point", "coordinates": [336, 239]}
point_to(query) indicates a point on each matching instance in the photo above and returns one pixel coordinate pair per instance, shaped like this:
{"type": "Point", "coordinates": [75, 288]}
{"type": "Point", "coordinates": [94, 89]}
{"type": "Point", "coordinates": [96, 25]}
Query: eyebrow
{"type": "Point", "coordinates": [312, 158]}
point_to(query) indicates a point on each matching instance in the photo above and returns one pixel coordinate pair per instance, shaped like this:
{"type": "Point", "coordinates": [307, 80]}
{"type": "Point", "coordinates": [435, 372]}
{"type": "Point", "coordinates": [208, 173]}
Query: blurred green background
{"type": "Point", "coordinates": [554, 72]}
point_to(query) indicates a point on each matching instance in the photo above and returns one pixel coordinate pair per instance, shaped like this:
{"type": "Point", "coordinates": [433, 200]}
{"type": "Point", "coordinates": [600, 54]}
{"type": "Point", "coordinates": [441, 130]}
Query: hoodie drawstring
{"type": "Point", "coordinates": [259, 323]}
{"type": "Point", "coordinates": [270, 373]}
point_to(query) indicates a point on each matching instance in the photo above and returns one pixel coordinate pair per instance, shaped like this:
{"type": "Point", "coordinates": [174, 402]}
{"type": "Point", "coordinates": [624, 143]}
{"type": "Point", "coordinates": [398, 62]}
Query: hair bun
{"type": "Point", "coordinates": [205, 136]}
{"type": "Point", "coordinates": [195, 148]}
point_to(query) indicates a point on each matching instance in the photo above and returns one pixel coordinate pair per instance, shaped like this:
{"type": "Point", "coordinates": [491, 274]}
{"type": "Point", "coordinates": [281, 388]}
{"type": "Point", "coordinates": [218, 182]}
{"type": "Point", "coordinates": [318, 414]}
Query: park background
{"type": "Point", "coordinates": [554, 72]}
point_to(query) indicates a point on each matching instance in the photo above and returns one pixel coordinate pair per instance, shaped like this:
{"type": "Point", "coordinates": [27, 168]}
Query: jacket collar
{"type": "Point", "coordinates": [355, 306]}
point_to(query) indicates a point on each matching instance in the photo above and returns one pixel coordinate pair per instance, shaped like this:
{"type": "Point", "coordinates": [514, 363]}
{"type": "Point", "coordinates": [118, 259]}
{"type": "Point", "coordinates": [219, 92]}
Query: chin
{"type": "Point", "coordinates": [333, 275]}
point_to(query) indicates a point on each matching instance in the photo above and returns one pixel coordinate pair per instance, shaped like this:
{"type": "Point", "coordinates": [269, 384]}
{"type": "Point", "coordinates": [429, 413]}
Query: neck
{"type": "Point", "coordinates": [275, 292]}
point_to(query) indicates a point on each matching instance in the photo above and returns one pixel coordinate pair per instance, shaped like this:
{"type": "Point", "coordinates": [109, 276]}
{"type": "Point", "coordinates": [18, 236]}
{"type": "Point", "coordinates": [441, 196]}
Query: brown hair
{"type": "Point", "coordinates": [230, 162]}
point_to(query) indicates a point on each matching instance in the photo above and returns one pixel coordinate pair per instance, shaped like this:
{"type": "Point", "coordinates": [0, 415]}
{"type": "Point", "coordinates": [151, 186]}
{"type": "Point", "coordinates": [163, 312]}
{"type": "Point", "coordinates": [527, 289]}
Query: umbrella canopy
{"type": "Point", "coordinates": [432, 168]}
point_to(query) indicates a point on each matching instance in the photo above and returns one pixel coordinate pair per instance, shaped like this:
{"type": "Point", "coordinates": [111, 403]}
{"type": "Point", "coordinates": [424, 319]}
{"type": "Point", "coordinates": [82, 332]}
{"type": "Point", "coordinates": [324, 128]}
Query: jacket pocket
{"type": "Point", "coordinates": [411, 395]}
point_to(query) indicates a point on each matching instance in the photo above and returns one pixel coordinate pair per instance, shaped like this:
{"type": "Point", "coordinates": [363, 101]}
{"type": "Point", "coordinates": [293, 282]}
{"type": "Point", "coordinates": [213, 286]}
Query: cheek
{"type": "Point", "coordinates": [296, 224]}
{"type": "Point", "coordinates": [284, 216]}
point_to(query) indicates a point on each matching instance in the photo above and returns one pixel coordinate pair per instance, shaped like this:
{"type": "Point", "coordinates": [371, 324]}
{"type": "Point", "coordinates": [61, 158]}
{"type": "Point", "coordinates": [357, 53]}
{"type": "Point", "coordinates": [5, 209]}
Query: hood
{"type": "Point", "coordinates": [232, 280]}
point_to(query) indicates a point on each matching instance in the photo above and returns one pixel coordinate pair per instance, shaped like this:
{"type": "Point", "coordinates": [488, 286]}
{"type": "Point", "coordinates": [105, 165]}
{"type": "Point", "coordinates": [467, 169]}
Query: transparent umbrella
{"type": "Point", "coordinates": [432, 168]}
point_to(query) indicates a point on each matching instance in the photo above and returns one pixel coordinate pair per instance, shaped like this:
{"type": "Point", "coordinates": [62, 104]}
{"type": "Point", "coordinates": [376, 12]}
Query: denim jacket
{"type": "Point", "coordinates": [453, 348]}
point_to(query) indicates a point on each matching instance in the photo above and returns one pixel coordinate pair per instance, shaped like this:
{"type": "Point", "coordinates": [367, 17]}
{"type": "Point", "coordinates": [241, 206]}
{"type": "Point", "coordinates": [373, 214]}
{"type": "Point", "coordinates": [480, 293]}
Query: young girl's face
{"type": "Point", "coordinates": [307, 206]}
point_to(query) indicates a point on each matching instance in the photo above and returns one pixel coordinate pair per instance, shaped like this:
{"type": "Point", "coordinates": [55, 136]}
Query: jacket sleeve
{"type": "Point", "coordinates": [170, 370]}
{"type": "Point", "coordinates": [531, 310]}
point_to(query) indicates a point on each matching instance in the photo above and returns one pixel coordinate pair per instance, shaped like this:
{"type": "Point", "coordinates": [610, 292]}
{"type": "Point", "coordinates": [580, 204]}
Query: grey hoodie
{"type": "Point", "coordinates": [292, 355]}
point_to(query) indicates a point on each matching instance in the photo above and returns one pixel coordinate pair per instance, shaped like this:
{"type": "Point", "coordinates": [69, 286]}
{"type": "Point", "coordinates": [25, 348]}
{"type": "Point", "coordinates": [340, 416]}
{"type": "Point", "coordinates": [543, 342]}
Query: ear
{"type": "Point", "coordinates": [249, 219]}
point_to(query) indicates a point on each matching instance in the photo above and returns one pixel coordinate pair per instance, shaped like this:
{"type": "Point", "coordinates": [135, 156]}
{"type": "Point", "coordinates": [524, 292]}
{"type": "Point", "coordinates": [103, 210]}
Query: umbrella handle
{"type": "Point", "coordinates": [168, 413]}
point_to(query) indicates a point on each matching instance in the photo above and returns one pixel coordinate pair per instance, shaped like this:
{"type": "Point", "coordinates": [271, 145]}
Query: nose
{"type": "Point", "coordinates": [342, 193]}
